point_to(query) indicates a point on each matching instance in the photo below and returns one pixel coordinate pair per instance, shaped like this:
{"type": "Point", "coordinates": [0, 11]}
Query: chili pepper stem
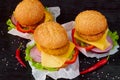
{"type": "Point", "coordinates": [20, 46]}
{"type": "Point", "coordinates": [108, 57]}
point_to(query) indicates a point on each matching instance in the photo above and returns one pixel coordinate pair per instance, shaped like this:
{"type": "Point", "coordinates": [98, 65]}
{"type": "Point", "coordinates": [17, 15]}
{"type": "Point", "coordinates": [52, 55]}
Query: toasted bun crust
{"type": "Point", "coordinates": [29, 12]}
{"type": "Point", "coordinates": [90, 23]}
{"type": "Point", "coordinates": [50, 35]}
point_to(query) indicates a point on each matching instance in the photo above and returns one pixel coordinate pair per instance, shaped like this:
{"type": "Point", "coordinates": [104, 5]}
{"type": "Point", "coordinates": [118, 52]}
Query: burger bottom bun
{"type": "Point", "coordinates": [92, 37]}
{"type": "Point", "coordinates": [57, 51]}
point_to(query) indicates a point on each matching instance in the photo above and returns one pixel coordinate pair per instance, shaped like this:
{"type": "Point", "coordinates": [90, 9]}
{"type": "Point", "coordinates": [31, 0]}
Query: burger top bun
{"type": "Point", "coordinates": [51, 35]}
{"type": "Point", "coordinates": [90, 22]}
{"type": "Point", "coordinates": [29, 12]}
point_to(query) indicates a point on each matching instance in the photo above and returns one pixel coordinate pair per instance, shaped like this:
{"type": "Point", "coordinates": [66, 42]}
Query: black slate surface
{"type": "Point", "coordinates": [10, 69]}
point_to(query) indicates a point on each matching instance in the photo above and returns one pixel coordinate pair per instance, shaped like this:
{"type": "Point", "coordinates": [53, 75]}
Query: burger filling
{"type": "Point", "coordinates": [45, 61]}
{"type": "Point", "coordinates": [101, 43]}
{"type": "Point", "coordinates": [105, 44]}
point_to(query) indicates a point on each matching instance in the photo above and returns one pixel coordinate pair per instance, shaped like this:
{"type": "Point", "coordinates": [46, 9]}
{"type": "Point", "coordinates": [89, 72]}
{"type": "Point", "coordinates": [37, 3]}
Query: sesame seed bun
{"type": "Point", "coordinates": [29, 12]}
{"type": "Point", "coordinates": [51, 36]}
{"type": "Point", "coordinates": [90, 25]}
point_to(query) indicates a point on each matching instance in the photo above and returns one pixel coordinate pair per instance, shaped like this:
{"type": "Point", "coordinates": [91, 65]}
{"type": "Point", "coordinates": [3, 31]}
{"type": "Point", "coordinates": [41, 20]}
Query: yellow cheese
{"type": "Point", "coordinates": [101, 44]}
{"type": "Point", "coordinates": [55, 61]}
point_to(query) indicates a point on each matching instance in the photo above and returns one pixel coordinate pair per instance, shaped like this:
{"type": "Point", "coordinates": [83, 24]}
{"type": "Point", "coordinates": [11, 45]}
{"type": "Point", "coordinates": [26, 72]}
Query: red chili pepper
{"type": "Point", "coordinates": [73, 58]}
{"type": "Point", "coordinates": [18, 56]}
{"type": "Point", "coordinates": [88, 48]}
{"type": "Point", "coordinates": [73, 39]}
{"type": "Point", "coordinates": [19, 28]}
{"type": "Point", "coordinates": [95, 66]}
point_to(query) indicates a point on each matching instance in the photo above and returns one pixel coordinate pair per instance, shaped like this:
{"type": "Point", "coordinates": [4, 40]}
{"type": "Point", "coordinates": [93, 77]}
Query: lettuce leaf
{"type": "Point", "coordinates": [36, 64]}
{"type": "Point", "coordinates": [46, 8]}
{"type": "Point", "coordinates": [10, 24]}
{"type": "Point", "coordinates": [114, 36]}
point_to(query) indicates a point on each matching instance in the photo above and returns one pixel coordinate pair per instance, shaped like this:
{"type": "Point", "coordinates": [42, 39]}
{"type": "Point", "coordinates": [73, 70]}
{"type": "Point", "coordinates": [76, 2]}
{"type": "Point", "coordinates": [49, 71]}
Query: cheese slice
{"type": "Point", "coordinates": [48, 60]}
{"type": "Point", "coordinates": [101, 43]}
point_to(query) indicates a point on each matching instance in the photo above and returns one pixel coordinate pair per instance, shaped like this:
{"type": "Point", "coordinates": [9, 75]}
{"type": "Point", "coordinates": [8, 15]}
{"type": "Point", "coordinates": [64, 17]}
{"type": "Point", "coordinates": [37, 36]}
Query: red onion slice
{"type": "Point", "coordinates": [35, 54]}
{"type": "Point", "coordinates": [96, 50]}
{"type": "Point", "coordinates": [13, 20]}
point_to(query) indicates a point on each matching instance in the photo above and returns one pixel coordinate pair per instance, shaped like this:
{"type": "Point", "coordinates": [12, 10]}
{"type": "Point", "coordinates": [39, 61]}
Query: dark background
{"type": "Point", "coordinates": [12, 70]}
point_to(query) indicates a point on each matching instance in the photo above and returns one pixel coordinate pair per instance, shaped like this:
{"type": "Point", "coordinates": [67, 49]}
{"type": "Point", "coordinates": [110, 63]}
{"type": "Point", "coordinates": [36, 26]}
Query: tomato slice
{"type": "Point", "coordinates": [88, 48]}
{"type": "Point", "coordinates": [19, 28]}
{"type": "Point", "coordinates": [73, 58]}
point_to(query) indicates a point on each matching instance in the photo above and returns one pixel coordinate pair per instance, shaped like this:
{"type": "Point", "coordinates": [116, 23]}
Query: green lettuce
{"type": "Point", "coordinates": [114, 36]}
{"type": "Point", "coordinates": [10, 24]}
{"type": "Point", "coordinates": [46, 8]}
{"type": "Point", "coordinates": [36, 64]}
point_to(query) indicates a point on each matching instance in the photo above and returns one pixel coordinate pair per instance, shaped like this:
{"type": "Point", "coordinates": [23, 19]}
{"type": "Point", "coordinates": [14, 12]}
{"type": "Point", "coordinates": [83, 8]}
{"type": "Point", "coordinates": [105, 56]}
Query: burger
{"type": "Point", "coordinates": [51, 49]}
{"type": "Point", "coordinates": [27, 15]}
{"type": "Point", "coordinates": [92, 33]}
